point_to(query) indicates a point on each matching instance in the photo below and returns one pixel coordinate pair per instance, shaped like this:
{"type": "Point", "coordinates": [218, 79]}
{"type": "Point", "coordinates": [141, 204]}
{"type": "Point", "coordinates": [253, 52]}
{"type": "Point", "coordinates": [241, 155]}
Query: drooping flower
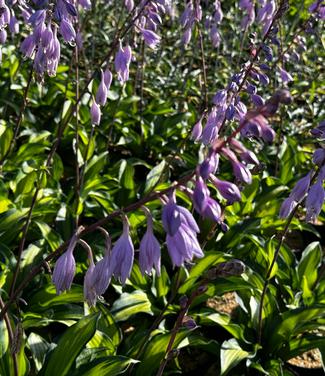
{"type": "Point", "coordinates": [95, 113]}
{"type": "Point", "coordinates": [150, 38]}
{"type": "Point", "coordinates": [314, 201]}
{"type": "Point", "coordinates": [101, 95]}
{"type": "Point", "coordinates": [200, 195]}
{"type": "Point", "coordinates": [228, 190]}
{"type": "Point", "coordinates": [65, 268]}
{"type": "Point", "coordinates": [301, 188]}
{"type": "Point", "coordinates": [122, 63]}
{"type": "Point", "coordinates": [183, 246]}
{"type": "Point", "coordinates": [286, 208]}
{"type": "Point", "coordinates": [149, 250]}
{"type": "Point", "coordinates": [122, 254]}
{"type": "Point", "coordinates": [89, 289]}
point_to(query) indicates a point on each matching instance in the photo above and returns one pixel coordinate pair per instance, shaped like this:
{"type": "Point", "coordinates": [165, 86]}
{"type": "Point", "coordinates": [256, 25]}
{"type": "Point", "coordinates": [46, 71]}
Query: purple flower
{"type": "Point", "coordinates": [228, 190]}
{"type": "Point", "coordinates": [314, 201]}
{"type": "Point", "coordinates": [65, 268]}
{"type": "Point", "coordinates": [197, 131]}
{"type": "Point", "coordinates": [149, 250]}
{"type": "Point", "coordinates": [122, 63]}
{"type": "Point", "coordinates": [209, 165]}
{"type": "Point", "coordinates": [102, 274]}
{"type": "Point", "coordinates": [186, 38]}
{"type": "Point", "coordinates": [257, 100]}
{"type": "Point", "coordinates": [67, 31]}
{"type": "Point", "coordinates": [212, 210]}
{"type": "Point", "coordinates": [319, 157]}
{"type": "Point", "coordinates": [108, 77]}
{"type": "Point", "coordinates": [89, 290]}
{"type": "Point", "coordinates": [241, 172]}
{"type": "Point", "coordinates": [95, 113]}
{"type": "Point", "coordinates": [101, 95]}
{"type": "Point", "coordinates": [220, 98]}
{"type": "Point", "coordinates": [170, 216]}
{"type": "Point", "coordinates": [301, 188]}
{"type": "Point", "coordinates": [183, 246]}
{"type": "Point", "coordinates": [286, 208]}
{"type": "Point", "coordinates": [122, 255]}
{"type": "Point", "coordinates": [285, 76]}
{"type": "Point", "coordinates": [150, 38]}
{"type": "Point", "coordinates": [200, 195]}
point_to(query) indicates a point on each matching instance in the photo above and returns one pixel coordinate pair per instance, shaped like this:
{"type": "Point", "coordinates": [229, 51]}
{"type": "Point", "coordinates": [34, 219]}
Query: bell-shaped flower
{"type": "Point", "coordinates": [301, 188]}
{"type": "Point", "coordinates": [241, 172]}
{"type": "Point", "coordinates": [319, 157]}
{"type": "Point", "coordinates": [108, 77]}
{"type": "Point", "coordinates": [95, 113]}
{"type": "Point", "coordinates": [183, 246]}
{"type": "Point", "coordinates": [101, 95]}
{"type": "Point", "coordinates": [122, 255]}
{"type": "Point", "coordinates": [286, 208]}
{"type": "Point", "coordinates": [228, 190]}
{"type": "Point", "coordinates": [65, 268]}
{"type": "Point", "coordinates": [90, 293]}
{"type": "Point", "coordinates": [150, 38]}
{"type": "Point", "coordinates": [212, 210]}
{"type": "Point", "coordinates": [170, 216]}
{"type": "Point", "coordinates": [209, 165]}
{"type": "Point", "coordinates": [197, 131]}
{"type": "Point", "coordinates": [314, 201]}
{"type": "Point", "coordinates": [200, 195]}
{"type": "Point", "coordinates": [67, 31]}
{"type": "Point", "coordinates": [149, 250]}
{"type": "Point", "coordinates": [122, 62]}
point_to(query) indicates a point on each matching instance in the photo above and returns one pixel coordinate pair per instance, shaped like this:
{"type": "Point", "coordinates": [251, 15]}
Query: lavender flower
{"type": "Point", "coordinates": [67, 31]}
{"type": "Point", "coordinates": [170, 216]}
{"type": "Point", "coordinates": [101, 95]}
{"type": "Point", "coordinates": [95, 113]}
{"type": "Point", "coordinates": [65, 268]}
{"type": "Point", "coordinates": [241, 172]}
{"type": "Point", "coordinates": [123, 254]}
{"type": "Point", "coordinates": [122, 63]}
{"type": "Point", "coordinates": [200, 195]}
{"type": "Point", "coordinates": [212, 210]}
{"type": "Point", "coordinates": [197, 131]}
{"type": "Point", "coordinates": [209, 165]}
{"type": "Point", "coordinates": [89, 290]}
{"type": "Point", "coordinates": [319, 157]}
{"type": "Point", "coordinates": [314, 201]}
{"type": "Point", "coordinates": [228, 190]}
{"type": "Point", "coordinates": [149, 250]}
{"type": "Point", "coordinates": [301, 188]}
{"type": "Point", "coordinates": [183, 246]}
{"type": "Point", "coordinates": [286, 208]}
{"type": "Point", "coordinates": [150, 38]}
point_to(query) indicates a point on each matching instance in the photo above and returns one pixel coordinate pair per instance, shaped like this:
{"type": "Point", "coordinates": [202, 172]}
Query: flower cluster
{"type": "Point", "coordinates": [310, 186]}
{"type": "Point", "coordinates": [47, 20]}
{"type": "Point", "coordinates": [212, 24]}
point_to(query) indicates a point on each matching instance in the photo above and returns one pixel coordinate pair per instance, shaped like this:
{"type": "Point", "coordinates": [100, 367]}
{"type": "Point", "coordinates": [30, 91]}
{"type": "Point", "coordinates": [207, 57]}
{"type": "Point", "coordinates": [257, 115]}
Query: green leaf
{"type": "Point", "coordinates": [38, 347]}
{"type": "Point", "coordinates": [130, 304]}
{"type": "Point", "coordinates": [154, 176]}
{"type": "Point", "coordinates": [108, 366]}
{"type": "Point", "coordinates": [281, 329]}
{"type": "Point", "coordinates": [231, 354]}
{"type": "Point", "coordinates": [155, 352]}
{"type": "Point", "coordinates": [107, 324]}
{"type": "Point", "coordinates": [4, 338]}
{"type": "Point", "coordinates": [47, 297]}
{"type": "Point", "coordinates": [309, 263]}
{"type": "Point", "coordinates": [70, 345]}
{"type": "Point", "coordinates": [53, 239]}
